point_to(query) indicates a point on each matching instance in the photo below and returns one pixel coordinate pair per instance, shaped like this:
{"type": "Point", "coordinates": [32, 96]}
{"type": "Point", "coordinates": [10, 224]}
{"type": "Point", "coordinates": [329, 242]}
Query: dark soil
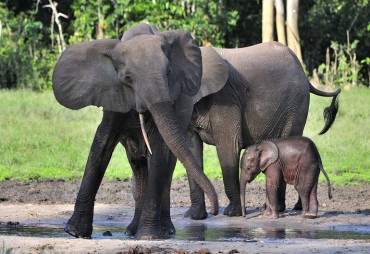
{"type": "Point", "coordinates": [345, 198]}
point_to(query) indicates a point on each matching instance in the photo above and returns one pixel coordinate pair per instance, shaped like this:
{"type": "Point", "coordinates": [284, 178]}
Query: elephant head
{"type": "Point", "coordinates": [256, 159]}
{"type": "Point", "coordinates": [147, 70]}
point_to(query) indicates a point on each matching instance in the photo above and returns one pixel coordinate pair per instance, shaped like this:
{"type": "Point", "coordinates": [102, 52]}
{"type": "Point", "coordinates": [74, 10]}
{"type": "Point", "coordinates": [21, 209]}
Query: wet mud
{"type": "Point", "coordinates": [36, 225]}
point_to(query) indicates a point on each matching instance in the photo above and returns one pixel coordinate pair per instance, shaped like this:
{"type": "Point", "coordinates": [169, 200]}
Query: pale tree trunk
{"type": "Point", "coordinates": [292, 28]}
{"type": "Point", "coordinates": [280, 21]}
{"type": "Point", "coordinates": [267, 20]}
{"type": "Point", "coordinates": [100, 26]}
{"type": "Point", "coordinates": [60, 39]}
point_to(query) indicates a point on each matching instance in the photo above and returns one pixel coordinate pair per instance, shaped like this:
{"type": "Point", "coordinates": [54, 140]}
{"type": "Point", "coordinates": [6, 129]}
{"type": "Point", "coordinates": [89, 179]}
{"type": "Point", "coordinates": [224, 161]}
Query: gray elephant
{"type": "Point", "coordinates": [146, 83]}
{"type": "Point", "coordinates": [292, 160]}
{"type": "Point", "coordinates": [265, 94]}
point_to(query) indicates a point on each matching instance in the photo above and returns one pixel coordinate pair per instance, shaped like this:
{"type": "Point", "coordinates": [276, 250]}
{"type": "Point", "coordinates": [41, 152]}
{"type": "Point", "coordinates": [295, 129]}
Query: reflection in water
{"type": "Point", "coordinates": [206, 233]}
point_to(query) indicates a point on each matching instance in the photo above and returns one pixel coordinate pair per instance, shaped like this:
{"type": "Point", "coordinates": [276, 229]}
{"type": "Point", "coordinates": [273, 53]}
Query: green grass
{"type": "Point", "coordinates": [345, 148]}
{"type": "Point", "coordinates": [41, 139]}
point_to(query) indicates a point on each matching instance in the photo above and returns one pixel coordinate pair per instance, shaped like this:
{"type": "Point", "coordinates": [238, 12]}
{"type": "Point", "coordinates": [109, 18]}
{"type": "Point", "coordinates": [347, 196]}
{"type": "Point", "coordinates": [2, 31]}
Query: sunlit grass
{"type": "Point", "coordinates": [40, 139]}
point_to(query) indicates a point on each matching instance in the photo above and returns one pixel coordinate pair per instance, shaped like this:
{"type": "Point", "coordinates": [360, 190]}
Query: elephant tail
{"type": "Point", "coordinates": [330, 112]}
{"type": "Point", "coordinates": [326, 176]}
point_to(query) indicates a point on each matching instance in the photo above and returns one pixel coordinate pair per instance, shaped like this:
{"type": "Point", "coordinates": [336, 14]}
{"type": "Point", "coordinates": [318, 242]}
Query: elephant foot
{"type": "Point", "coordinates": [196, 213]}
{"type": "Point", "coordinates": [167, 226]}
{"type": "Point", "coordinates": [309, 215]}
{"type": "Point", "coordinates": [233, 210]}
{"type": "Point", "coordinates": [132, 228]}
{"type": "Point", "coordinates": [79, 226]}
{"type": "Point", "coordinates": [281, 207]}
{"type": "Point", "coordinates": [167, 229]}
{"type": "Point", "coordinates": [150, 233]}
{"type": "Point", "coordinates": [270, 215]}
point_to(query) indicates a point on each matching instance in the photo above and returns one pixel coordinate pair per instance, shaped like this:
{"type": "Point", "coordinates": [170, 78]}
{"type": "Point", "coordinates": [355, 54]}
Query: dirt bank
{"type": "Point", "coordinates": [51, 203]}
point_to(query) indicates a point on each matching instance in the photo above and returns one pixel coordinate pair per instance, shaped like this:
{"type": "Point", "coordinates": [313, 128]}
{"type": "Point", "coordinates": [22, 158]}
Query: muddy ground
{"type": "Point", "coordinates": [50, 204]}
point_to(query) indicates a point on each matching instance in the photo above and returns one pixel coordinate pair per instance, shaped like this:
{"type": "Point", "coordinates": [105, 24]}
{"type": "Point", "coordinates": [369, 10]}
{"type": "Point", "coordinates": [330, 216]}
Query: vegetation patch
{"type": "Point", "coordinates": [43, 140]}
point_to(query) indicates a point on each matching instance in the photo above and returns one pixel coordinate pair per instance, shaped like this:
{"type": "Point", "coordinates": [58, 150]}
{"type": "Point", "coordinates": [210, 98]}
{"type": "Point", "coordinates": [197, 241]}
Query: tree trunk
{"type": "Point", "coordinates": [267, 20]}
{"type": "Point", "coordinates": [292, 28]}
{"type": "Point", "coordinates": [100, 25]}
{"type": "Point", "coordinates": [280, 21]}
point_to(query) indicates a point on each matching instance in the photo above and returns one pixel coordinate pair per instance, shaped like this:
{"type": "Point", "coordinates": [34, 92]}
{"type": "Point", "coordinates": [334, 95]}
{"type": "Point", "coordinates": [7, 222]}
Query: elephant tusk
{"type": "Point", "coordinates": [142, 125]}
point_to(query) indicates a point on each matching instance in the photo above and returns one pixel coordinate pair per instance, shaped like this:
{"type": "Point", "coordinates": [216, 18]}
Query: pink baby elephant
{"type": "Point", "coordinates": [293, 160]}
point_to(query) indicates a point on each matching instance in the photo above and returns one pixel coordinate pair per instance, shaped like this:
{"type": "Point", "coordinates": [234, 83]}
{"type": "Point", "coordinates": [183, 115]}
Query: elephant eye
{"type": "Point", "coordinates": [128, 80]}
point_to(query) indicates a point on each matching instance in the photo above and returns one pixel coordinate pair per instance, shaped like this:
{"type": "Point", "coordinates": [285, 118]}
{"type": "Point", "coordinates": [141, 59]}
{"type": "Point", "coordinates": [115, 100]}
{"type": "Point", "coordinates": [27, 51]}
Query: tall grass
{"type": "Point", "coordinates": [40, 139]}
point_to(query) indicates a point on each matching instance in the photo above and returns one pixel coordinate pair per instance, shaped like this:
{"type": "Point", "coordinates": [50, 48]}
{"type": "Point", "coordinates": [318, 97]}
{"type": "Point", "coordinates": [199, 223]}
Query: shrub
{"type": "Point", "coordinates": [24, 61]}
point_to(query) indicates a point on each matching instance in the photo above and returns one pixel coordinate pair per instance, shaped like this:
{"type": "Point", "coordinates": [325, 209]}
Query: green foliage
{"type": "Point", "coordinates": [322, 22]}
{"type": "Point", "coordinates": [23, 62]}
{"type": "Point", "coordinates": [344, 69]}
{"type": "Point", "coordinates": [208, 21]}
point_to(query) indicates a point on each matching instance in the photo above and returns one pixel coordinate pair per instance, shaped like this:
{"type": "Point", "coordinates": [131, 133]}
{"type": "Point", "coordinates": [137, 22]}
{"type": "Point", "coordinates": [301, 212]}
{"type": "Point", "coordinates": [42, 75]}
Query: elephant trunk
{"type": "Point", "coordinates": [165, 120]}
{"type": "Point", "coordinates": [243, 183]}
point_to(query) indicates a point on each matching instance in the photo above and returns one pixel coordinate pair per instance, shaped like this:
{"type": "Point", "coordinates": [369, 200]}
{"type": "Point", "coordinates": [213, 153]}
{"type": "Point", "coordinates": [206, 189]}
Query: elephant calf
{"type": "Point", "coordinates": [292, 160]}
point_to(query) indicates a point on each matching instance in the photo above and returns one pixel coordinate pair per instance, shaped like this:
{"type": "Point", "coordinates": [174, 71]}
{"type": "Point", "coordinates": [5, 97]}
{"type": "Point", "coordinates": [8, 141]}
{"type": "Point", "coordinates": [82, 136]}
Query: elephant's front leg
{"type": "Point", "coordinates": [167, 226]}
{"type": "Point", "coordinates": [139, 188]}
{"type": "Point", "coordinates": [274, 178]}
{"type": "Point", "coordinates": [197, 211]}
{"type": "Point", "coordinates": [272, 200]}
{"type": "Point", "coordinates": [106, 138]}
{"type": "Point", "coordinates": [160, 171]}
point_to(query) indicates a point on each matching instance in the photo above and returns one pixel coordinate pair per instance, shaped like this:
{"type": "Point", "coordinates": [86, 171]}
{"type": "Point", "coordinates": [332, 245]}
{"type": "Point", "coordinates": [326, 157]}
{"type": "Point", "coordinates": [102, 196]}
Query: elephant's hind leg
{"type": "Point", "coordinates": [305, 194]}
{"type": "Point", "coordinates": [197, 211]}
{"type": "Point", "coordinates": [230, 171]}
{"type": "Point", "coordinates": [313, 205]}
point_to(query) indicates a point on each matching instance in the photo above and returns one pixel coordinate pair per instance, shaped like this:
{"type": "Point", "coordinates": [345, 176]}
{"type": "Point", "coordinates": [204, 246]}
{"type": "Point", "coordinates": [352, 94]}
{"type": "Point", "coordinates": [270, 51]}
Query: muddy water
{"type": "Point", "coordinates": [205, 232]}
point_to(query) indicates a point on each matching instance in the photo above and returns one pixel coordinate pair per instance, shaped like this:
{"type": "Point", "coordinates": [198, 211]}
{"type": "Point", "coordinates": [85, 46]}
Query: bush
{"type": "Point", "coordinates": [24, 61]}
{"type": "Point", "coordinates": [341, 68]}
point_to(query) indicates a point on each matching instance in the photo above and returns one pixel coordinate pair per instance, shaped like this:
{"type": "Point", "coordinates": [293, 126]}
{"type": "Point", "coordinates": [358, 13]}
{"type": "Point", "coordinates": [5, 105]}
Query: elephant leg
{"type": "Point", "coordinates": [106, 139]}
{"type": "Point", "coordinates": [281, 196]}
{"type": "Point", "coordinates": [159, 174]}
{"type": "Point", "coordinates": [272, 210]}
{"type": "Point", "coordinates": [229, 161]}
{"type": "Point", "coordinates": [139, 184]}
{"type": "Point", "coordinates": [313, 205]}
{"type": "Point", "coordinates": [266, 208]}
{"type": "Point", "coordinates": [167, 226]}
{"type": "Point", "coordinates": [197, 211]}
{"type": "Point", "coordinates": [304, 194]}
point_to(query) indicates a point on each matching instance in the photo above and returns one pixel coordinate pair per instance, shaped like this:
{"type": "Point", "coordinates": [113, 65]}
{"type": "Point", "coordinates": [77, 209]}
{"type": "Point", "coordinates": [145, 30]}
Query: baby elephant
{"type": "Point", "coordinates": [294, 160]}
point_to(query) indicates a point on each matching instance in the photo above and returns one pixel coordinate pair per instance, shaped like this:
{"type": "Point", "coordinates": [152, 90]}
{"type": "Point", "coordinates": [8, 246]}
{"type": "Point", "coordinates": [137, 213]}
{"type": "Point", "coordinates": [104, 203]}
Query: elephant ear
{"type": "Point", "coordinates": [269, 153]}
{"type": "Point", "coordinates": [185, 62]}
{"type": "Point", "coordinates": [215, 73]}
{"type": "Point", "coordinates": [85, 75]}
{"type": "Point", "coordinates": [139, 29]}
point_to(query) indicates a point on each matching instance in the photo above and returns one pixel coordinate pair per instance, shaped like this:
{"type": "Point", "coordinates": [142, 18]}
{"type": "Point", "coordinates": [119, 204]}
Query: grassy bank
{"type": "Point", "coordinates": [40, 139]}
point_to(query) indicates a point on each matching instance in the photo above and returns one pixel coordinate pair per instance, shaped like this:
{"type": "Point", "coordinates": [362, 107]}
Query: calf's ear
{"type": "Point", "coordinates": [268, 153]}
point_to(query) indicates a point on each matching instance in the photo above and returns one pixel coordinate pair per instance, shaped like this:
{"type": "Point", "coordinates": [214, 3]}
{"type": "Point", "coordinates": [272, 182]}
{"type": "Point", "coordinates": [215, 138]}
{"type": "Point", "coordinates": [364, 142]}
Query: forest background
{"type": "Point", "coordinates": [41, 139]}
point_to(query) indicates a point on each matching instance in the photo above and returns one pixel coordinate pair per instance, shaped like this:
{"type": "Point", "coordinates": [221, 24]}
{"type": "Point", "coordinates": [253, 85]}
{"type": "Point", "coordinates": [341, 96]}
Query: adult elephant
{"type": "Point", "coordinates": [265, 95]}
{"type": "Point", "coordinates": [147, 74]}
